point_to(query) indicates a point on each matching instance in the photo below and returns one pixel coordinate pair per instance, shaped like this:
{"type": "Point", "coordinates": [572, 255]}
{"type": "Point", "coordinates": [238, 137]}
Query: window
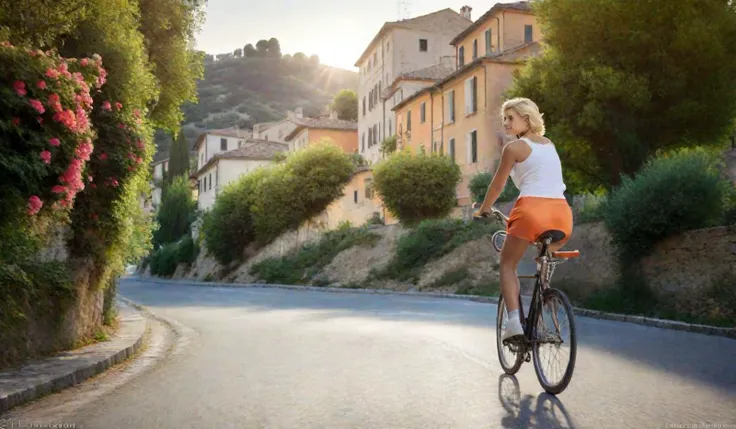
{"type": "Point", "coordinates": [223, 144]}
{"type": "Point", "coordinates": [210, 180]}
{"type": "Point", "coordinates": [461, 56]}
{"type": "Point", "coordinates": [204, 182]}
{"type": "Point", "coordinates": [408, 120]}
{"type": "Point", "coordinates": [370, 136]}
{"type": "Point", "coordinates": [370, 100]}
{"type": "Point", "coordinates": [528, 34]}
{"type": "Point", "coordinates": [475, 49]}
{"type": "Point", "coordinates": [362, 142]}
{"type": "Point", "coordinates": [488, 41]}
{"type": "Point", "coordinates": [442, 148]}
{"type": "Point", "coordinates": [451, 106]}
{"type": "Point", "coordinates": [363, 106]}
{"type": "Point", "coordinates": [388, 46]}
{"type": "Point", "coordinates": [423, 113]}
{"type": "Point", "coordinates": [217, 178]}
{"type": "Point", "coordinates": [471, 95]}
{"type": "Point", "coordinates": [375, 57]}
{"type": "Point", "coordinates": [375, 133]}
{"type": "Point", "coordinates": [390, 129]}
{"type": "Point", "coordinates": [471, 142]}
{"type": "Point", "coordinates": [355, 197]}
{"type": "Point", "coordinates": [422, 45]}
{"type": "Point", "coordinates": [451, 149]}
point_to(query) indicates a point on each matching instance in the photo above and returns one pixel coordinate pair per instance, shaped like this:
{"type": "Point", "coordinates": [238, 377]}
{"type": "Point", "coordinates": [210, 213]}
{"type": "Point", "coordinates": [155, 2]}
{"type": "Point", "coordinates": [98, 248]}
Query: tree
{"type": "Point", "coordinates": [238, 53]}
{"type": "Point", "coordinates": [274, 49]}
{"type": "Point", "coordinates": [179, 158]}
{"type": "Point", "coordinates": [345, 103]}
{"type": "Point", "coordinates": [262, 47]}
{"type": "Point", "coordinates": [176, 213]}
{"type": "Point", "coordinates": [417, 187]}
{"type": "Point", "coordinates": [620, 81]}
{"type": "Point", "coordinates": [249, 51]}
{"type": "Point", "coordinates": [168, 28]}
{"type": "Point", "coordinates": [479, 183]}
{"type": "Point", "coordinates": [314, 60]}
{"type": "Point", "coordinates": [39, 23]}
{"type": "Point", "coordinates": [300, 56]}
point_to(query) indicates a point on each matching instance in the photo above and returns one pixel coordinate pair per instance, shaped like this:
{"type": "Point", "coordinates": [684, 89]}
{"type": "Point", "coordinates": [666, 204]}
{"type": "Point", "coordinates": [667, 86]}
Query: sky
{"type": "Point", "coordinates": [336, 30]}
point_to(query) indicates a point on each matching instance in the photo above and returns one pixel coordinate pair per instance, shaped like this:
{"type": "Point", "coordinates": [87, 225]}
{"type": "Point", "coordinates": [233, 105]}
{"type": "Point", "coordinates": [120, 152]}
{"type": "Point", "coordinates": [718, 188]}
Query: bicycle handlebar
{"type": "Point", "coordinates": [499, 215]}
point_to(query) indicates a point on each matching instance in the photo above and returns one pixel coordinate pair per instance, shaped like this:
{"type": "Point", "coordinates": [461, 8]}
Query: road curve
{"type": "Point", "coordinates": [274, 358]}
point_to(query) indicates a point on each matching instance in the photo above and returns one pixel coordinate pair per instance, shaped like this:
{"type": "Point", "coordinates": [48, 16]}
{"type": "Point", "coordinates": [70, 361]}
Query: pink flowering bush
{"type": "Point", "coordinates": [46, 138]}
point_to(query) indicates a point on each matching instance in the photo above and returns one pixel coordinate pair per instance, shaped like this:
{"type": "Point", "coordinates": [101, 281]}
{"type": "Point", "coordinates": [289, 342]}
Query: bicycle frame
{"type": "Point", "coordinates": [545, 267]}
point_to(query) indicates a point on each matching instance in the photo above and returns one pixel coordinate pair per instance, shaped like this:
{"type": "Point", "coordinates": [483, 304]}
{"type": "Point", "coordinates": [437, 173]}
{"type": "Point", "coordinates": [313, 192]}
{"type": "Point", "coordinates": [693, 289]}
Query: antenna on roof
{"type": "Point", "coordinates": [402, 9]}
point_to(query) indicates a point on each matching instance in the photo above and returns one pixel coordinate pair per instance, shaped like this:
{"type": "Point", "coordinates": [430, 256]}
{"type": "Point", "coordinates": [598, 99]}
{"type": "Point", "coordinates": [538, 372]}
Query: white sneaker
{"type": "Point", "coordinates": [513, 328]}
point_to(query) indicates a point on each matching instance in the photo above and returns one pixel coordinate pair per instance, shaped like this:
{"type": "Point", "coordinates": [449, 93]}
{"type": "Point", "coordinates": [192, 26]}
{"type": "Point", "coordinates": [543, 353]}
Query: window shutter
{"type": "Point", "coordinates": [475, 94]}
{"type": "Point", "coordinates": [468, 101]}
{"type": "Point", "coordinates": [468, 153]}
{"type": "Point", "coordinates": [452, 149]}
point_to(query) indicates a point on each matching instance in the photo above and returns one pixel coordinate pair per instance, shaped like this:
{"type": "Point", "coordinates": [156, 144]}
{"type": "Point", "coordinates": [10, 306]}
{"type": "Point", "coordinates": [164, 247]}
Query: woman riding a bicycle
{"type": "Point", "coordinates": [534, 166]}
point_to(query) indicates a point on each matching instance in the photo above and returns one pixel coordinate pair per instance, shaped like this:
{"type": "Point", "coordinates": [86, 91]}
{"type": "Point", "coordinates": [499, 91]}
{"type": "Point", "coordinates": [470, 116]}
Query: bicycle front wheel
{"type": "Point", "coordinates": [510, 360]}
{"type": "Point", "coordinates": [554, 345]}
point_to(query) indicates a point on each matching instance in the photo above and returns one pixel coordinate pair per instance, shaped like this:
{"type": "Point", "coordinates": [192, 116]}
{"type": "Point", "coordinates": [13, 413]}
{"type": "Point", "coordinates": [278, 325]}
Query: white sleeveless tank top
{"type": "Point", "coordinates": [540, 175]}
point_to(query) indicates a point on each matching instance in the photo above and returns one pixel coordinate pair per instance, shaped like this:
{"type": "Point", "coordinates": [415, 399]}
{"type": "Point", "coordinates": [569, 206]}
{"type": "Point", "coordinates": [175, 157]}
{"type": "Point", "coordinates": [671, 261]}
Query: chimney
{"type": "Point", "coordinates": [465, 12]}
{"type": "Point", "coordinates": [298, 112]}
{"type": "Point", "coordinates": [333, 114]}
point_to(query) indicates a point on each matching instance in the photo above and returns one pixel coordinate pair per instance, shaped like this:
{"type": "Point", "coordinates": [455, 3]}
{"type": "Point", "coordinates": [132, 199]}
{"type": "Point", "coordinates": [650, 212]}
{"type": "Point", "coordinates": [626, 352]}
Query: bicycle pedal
{"type": "Point", "coordinates": [528, 358]}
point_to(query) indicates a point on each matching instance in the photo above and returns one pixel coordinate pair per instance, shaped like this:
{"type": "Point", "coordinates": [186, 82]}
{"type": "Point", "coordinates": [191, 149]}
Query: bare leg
{"type": "Point", "coordinates": [511, 253]}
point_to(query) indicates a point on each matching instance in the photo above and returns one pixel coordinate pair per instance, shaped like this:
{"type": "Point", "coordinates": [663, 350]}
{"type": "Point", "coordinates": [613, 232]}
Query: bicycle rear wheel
{"type": "Point", "coordinates": [554, 344]}
{"type": "Point", "coordinates": [510, 360]}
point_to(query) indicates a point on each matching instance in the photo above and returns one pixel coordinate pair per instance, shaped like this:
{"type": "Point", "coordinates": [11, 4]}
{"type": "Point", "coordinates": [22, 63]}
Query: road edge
{"type": "Point", "coordinates": [127, 342]}
{"type": "Point", "coordinates": [582, 312]}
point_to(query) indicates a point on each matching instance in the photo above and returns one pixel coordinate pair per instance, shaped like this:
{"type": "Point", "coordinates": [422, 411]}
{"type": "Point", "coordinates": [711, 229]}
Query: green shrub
{"type": "Point", "coordinates": [299, 189]}
{"type": "Point", "coordinates": [593, 209]}
{"type": "Point", "coordinates": [228, 227]}
{"type": "Point", "coordinates": [417, 187]}
{"type": "Point", "coordinates": [681, 191]}
{"type": "Point", "coordinates": [164, 260]}
{"type": "Point", "coordinates": [176, 213]}
{"type": "Point", "coordinates": [187, 250]}
{"type": "Point", "coordinates": [305, 264]}
{"type": "Point", "coordinates": [483, 288]}
{"type": "Point", "coordinates": [271, 201]}
{"type": "Point", "coordinates": [479, 183]}
{"type": "Point", "coordinates": [430, 240]}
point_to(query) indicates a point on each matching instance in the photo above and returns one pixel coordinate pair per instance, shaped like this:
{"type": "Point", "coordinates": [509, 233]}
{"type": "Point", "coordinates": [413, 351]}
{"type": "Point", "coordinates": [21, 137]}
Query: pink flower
{"type": "Point", "coordinates": [37, 105]}
{"type": "Point", "coordinates": [118, 105]}
{"type": "Point", "coordinates": [53, 74]}
{"type": "Point", "coordinates": [58, 189]}
{"type": "Point", "coordinates": [103, 156]}
{"type": "Point", "coordinates": [40, 120]}
{"type": "Point", "coordinates": [84, 150]}
{"type": "Point", "coordinates": [34, 205]}
{"type": "Point", "coordinates": [41, 84]}
{"type": "Point", "coordinates": [106, 105]}
{"type": "Point", "coordinates": [90, 178]}
{"type": "Point", "coordinates": [137, 113]}
{"type": "Point", "coordinates": [121, 126]}
{"type": "Point", "coordinates": [6, 44]}
{"type": "Point", "coordinates": [94, 216]}
{"type": "Point", "coordinates": [84, 62]}
{"type": "Point", "coordinates": [46, 157]}
{"type": "Point", "coordinates": [54, 141]}
{"type": "Point", "coordinates": [140, 145]}
{"type": "Point", "coordinates": [16, 121]}
{"type": "Point", "coordinates": [20, 87]}
{"type": "Point", "coordinates": [94, 185]}
{"type": "Point", "coordinates": [55, 102]}
{"type": "Point", "coordinates": [138, 160]}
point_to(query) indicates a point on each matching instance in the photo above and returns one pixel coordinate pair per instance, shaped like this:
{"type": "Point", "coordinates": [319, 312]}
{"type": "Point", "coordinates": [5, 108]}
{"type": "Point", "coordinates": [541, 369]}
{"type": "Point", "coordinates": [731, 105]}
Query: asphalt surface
{"type": "Point", "coordinates": [274, 358]}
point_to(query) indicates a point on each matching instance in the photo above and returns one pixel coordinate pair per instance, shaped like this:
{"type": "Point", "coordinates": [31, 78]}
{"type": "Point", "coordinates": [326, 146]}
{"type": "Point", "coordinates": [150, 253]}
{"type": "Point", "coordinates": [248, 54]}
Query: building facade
{"type": "Point", "coordinates": [310, 130]}
{"type": "Point", "coordinates": [399, 47]}
{"type": "Point", "coordinates": [459, 115]}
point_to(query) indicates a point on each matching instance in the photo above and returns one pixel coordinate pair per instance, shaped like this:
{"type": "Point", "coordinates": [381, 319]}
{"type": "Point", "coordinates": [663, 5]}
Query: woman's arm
{"type": "Point", "coordinates": [508, 158]}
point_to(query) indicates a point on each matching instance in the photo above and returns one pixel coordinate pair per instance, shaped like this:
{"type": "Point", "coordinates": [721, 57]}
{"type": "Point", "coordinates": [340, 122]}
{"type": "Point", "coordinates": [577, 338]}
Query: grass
{"type": "Point", "coordinates": [302, 266]}
{"type": "Point", "coordinates": [483, 288]}
{"type": "Point", "coordinates": [430, 240]}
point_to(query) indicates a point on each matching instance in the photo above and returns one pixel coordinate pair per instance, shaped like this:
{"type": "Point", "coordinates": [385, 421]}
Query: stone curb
{"type": "Point", "coordinates": [583, 312]}
{"type": "Point", "coordinates": [42, 377]}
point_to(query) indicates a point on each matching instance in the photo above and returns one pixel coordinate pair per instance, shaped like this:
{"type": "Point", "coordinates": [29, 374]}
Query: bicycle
{"type": "Point", "coordinates": [535, 335]}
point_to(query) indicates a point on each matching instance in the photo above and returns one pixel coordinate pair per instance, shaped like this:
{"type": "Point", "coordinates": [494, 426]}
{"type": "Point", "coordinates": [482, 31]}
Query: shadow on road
{"type": "Point", "coordinates": [548, 411]}
{"type": "Point", "coordinates": [700, 357]}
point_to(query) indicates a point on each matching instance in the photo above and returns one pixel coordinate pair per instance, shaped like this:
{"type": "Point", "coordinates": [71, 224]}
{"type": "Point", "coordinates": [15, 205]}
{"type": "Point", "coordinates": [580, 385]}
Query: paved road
{"type": "Point", "coordinates": [271, 358]}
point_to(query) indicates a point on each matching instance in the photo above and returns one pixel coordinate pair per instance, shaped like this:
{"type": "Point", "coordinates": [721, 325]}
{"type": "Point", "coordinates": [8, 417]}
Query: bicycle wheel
{"type": "Point", "coordinates": [510, 361]}
{"type": "Point", "coordinates": [554, 332]}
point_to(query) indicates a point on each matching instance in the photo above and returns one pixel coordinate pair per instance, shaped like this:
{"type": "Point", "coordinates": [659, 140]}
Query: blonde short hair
{"type": "Point", "coordinates": [526, 108]}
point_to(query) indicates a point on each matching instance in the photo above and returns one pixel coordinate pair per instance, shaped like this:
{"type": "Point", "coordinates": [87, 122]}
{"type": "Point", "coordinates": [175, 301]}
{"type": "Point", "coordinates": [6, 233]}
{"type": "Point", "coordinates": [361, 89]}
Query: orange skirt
{"type": "Point", "coordinates": [533, 216]}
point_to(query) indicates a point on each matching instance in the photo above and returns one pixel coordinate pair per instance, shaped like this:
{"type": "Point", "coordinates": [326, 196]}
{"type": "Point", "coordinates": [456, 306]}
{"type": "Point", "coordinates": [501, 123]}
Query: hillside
{"type": "Point", "coordinates": [242, 91]}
